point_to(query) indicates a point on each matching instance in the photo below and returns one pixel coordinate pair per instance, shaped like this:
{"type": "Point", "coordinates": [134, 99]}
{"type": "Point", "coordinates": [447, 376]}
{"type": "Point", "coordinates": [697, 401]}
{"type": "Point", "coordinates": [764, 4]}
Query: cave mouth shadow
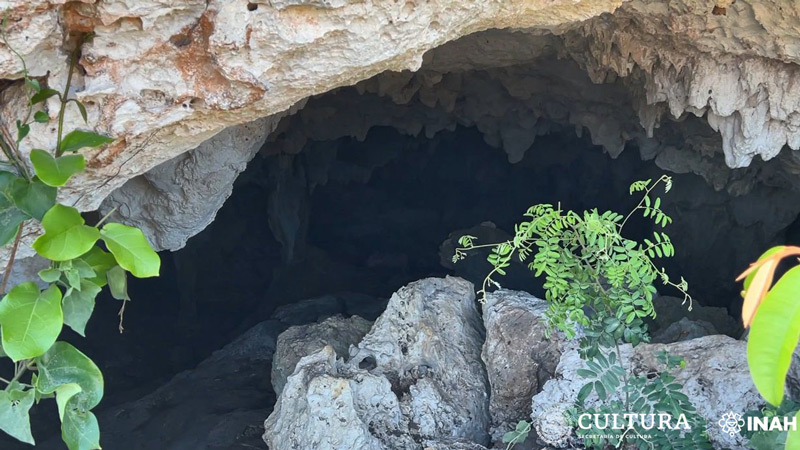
{"type": "Point", "coordinates": [340, 226]}
{"type": "Point", "coordinates": [361, 218]}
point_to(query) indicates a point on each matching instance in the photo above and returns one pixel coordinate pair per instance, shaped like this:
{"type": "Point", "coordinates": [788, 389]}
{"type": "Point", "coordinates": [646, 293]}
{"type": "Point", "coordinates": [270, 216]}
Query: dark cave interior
{"type": "Point", "coordinates": [380, 219]}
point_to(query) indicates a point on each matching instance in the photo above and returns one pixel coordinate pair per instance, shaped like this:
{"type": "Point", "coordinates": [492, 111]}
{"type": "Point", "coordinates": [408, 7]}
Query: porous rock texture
{"type": "Point", "coordinates": [302, 340]}
{"type": "Point", "coordinates": [715, 379]}
{"type": "Point", "coordinates": [415, 380]}
{"type": "Point", "coordinates": [519, 357]}
{"type": "Point", "coordinates": [700, 85]}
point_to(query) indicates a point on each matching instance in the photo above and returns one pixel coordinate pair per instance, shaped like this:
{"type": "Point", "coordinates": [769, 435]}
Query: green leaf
{"type": "Point", "coordinates": [773, 336]}
{"type": "Point", "coordinates": [78, 139]}
{"type": "Point", "coordinates": [81, 108]}
{"type": "Point", "coordinates": [131, 249]}
{"type": "Point", "coordinates": [118, 283]}
{"type": "Point", "coordinates": [56, 171]}
{"type": "Point", "coordinates": [78, 306]}
{"type": "Point", "coordinates": [31, 320]}
{"type": "Point", "coordinates": [10, 216]}
{"type": "Point", "coordinates": [50, 275]}
{"type": "Point", "coordinates": [65, 235]}
{"type": "Point", "coordinates": [64, 364]}
{"type": "Point", "coordinates": [600, 389]}
{"type": "Point", "coordinates": [22, 131]}
{"type": "Point", "coordinates": [41, 117]}
{"type": "Point", "coordinates": [43, 95]}
{"type": "Point", "coordinates": [100, 261]}
{"type": "Point", "coordinates": [33, 84]}
{"type": "Point", "coordinates": [64, 393]}
{"type": "Point", "coordinates": [14, 419]}
{"type": "Point", "coordinates": [584, 393]}
{"type": "Point", "coordinates": [793, 439]}
{"type": "Point", "coordinates": [34, 198]}
{"type": "Point", "coordinates": [79, 429]}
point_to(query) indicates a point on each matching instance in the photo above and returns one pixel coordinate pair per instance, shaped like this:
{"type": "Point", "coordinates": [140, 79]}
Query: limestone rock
{"type": "Point", "coordinates": [179, 198]}
{"type": "Point", "coordinates": [427, 343]}
{"type": "Point", "coordinates": [716, 380]}
{"type": "Point", "coordinates": [321, 409]}
{"type": "Point", "coordinates": [415, 379]}
{"type": "Point", "coordinates": [519, 357]}
{"type": "Point", "coordinates": [303, 340]}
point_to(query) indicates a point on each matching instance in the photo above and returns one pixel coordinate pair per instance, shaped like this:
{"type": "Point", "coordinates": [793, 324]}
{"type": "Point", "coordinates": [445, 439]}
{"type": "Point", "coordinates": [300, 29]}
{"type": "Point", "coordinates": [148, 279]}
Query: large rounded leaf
{"type": "Point", "coordinates": [131, 249]}
{"type": "Point", "coordinates": [100, 261]}
{"type": "Point", "coordinates": [773, 336]}
{"type": "Point", "coordinates": [65, 235]}
{"type": "Point", "coordinates": [14, 419]}
{"type": "Point", "coordinates": [78, 306]}
{"type": "Point", "coordinates": [64, 364]}
{"type": "Point", "coordinates": [79, 429]}
{"type": "Point", "coordinates": [31, 320]}
{"type": "Point", "coordinates": [34, 198]}
{"type": "Point", "coordinates": [56, 171]}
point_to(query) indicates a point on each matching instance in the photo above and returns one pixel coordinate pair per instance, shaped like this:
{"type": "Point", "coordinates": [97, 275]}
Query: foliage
{"type": "Point", "coordinates": [31, 319]}
{"type": "Point", "coordinates": [765, 439]}
{"type": "Point", "coordinates": [773, 314]}
{"type": "Point", "coordinates": [600, 285]}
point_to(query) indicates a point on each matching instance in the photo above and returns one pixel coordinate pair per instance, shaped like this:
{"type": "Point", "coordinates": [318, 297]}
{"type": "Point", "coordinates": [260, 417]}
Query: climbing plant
{"type": "Point", "coordinates": [83, 260]}
{"type": "Point", "coordinates": [599, 285]}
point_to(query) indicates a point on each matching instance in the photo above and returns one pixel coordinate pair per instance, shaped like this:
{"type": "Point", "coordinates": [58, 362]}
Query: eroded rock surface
{"type": "Point", "coordinates": [716, 380]}
{"type": "Point", "coordinates": [415, 378]}
{"type": "Point", "coordinates": [519, 357]}
{"type": "Point", "coordinates": [302, 340]}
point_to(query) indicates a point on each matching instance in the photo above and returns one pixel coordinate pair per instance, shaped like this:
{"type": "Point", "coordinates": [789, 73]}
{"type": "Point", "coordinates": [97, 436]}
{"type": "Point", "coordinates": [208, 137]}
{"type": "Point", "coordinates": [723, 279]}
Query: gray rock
{"type": "Point", "coordinates": [670, 310]}
{"type": "Point", "coordinates": [519, 357]}
{"type": "Point", "coordinates": [716, 380]}
{"type": "Point", "coordinates": [327, 406]}
{"type": "Point", "coordinates": [303, 340]}
{"type": "Point", "coordinates": [683, 330]}
{"type": "Point", "coordinates": [415, 377]}
{"type": "Point", "coordinates": [427, 343]}
{"type": "Point", "coordinates": [180, 197]}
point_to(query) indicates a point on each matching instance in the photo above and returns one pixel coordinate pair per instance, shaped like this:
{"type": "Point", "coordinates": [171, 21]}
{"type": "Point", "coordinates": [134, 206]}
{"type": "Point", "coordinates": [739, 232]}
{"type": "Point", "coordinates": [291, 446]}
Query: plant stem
{"type": "Point", "coordinates": [73, 60]}
{"type": "Point", "coordinates": [21, 371]}
{"type": "Point", "coordinates": [11, 257]}
{"type": "Point", "coordinates": [113, 210]}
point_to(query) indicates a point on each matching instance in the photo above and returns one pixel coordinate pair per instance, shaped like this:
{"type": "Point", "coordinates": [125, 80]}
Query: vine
{"type": "Point", "coordinates": [83, 260]}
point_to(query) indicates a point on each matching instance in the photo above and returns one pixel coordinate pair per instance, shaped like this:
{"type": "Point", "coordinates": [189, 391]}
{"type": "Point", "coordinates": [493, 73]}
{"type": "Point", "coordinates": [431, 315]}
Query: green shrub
{"type": "Point", "coordinates": [599, 285]}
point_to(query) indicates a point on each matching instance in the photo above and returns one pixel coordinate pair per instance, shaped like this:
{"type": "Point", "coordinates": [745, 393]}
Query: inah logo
{"type": "Point", "coordinates": [731, 423]}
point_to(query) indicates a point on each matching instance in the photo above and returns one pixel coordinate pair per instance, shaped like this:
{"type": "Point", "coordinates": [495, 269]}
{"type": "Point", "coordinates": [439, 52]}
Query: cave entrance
{"type": "Point", "coordinates": [364, 189]}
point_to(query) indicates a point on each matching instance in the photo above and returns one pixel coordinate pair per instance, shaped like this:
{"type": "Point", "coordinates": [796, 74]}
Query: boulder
{"type": "Point", "coordinates": [415, 378]}
{"type": "Point", "coordinates": [302, 340]}
{"type": "Point", "coordinates": [519, 357]}
{"type": "Point", "coordinates": [716, 380]}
